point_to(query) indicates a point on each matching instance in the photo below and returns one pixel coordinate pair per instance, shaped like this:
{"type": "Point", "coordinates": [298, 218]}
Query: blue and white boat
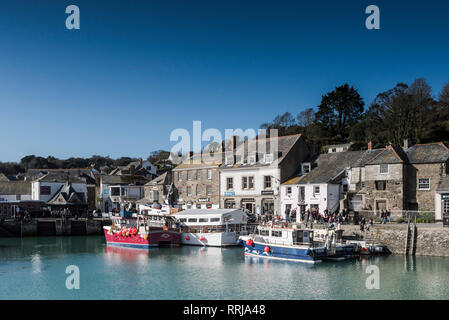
{"type": "Point", "coordinates": [292, 244]}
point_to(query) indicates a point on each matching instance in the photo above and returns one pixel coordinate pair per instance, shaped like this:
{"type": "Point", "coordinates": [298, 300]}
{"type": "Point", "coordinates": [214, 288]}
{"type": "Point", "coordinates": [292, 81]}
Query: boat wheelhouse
{"type": "Point", "coordinates": [294, 244]}
{"type": "Point", "coordinates": [211, 227]}
{"type": "Point", "coordinates": [281, 243]}
{"type": "Point", "coordinates": [142, 232]}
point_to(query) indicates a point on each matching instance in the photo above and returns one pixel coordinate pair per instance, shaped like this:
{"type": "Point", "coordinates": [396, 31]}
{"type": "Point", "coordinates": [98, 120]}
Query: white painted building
{"type": "Point", "coordinates": [323, 183]}
{"type": "Point", "coordinates": [44, 188]}
{"type": "Point", "coordinates": [120, 189]}
{"type": "Point", "coordinates": [251, 180]}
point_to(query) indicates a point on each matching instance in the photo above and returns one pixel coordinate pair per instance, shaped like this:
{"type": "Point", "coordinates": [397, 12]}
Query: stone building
{"type": "Point", "coordinates": [323, 181]}
{"type": "Point", "coordinates": [399, 178]}
{"type": "Point", "coordinates": [197, 181]}
{"type": "Point", "coordinates": [159, 189]}
{"type": "Point", "coordinates": [427, 164]}
{"type": "Point", "coordinates": [382, 181]}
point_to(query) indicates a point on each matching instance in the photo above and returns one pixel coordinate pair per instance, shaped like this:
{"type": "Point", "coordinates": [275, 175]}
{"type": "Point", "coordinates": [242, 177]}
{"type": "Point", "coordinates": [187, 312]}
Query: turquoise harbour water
{"type": "Point", "coordinates": [34, 268]}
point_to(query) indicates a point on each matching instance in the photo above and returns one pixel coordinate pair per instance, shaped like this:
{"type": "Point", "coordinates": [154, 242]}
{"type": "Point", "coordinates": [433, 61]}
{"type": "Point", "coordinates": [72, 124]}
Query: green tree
{"type": "Point", "coordinates": [339, 110]}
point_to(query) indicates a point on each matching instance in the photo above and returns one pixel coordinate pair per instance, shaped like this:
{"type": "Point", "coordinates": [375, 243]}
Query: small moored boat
{"type": "Point", "coordinates": [293, 244]}
{"type": "Point", "coordinates": [139, 233]}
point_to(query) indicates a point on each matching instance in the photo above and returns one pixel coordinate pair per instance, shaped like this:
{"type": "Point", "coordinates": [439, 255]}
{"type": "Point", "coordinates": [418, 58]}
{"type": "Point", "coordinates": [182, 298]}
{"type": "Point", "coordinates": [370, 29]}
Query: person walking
{"type": "Point", "coordinates": [307, 216]}
{"type": "Point", "coordinates": [287, 214]}
{"type": "Point", "coordinates": [362, 224]}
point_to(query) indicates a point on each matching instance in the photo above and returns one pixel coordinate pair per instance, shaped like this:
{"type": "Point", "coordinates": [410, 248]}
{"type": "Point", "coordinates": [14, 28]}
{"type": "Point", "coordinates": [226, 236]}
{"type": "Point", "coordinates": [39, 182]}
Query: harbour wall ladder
{"type": "Point", "coordinates": [411, 236]}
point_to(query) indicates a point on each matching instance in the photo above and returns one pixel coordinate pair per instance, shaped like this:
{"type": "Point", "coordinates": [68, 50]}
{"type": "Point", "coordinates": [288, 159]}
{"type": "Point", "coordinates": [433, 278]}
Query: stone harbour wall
{"type": "Point", "coordinates": [431, 239]}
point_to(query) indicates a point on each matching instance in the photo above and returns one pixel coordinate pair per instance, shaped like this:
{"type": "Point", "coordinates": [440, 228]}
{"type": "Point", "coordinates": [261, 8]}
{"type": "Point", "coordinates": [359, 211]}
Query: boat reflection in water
{"type": "Point", "coordinates": [121, 255]}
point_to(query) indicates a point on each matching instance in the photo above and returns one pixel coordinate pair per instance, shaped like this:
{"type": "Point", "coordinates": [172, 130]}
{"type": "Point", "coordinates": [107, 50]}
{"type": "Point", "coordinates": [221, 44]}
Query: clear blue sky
{"type": "Point", "coordinates": [136, 70]}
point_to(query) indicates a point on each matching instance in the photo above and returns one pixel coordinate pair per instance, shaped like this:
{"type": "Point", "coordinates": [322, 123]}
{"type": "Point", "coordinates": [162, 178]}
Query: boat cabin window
{"type": "Point", "coordinates": [214, 219]}
{"type": "Point", "coordinates": [276, 233]}
{"type": "Point", "coordinates": [264, 232]}
{"type": "Point", "coordinates": [192, 220]}
{"type": "Point", "coordinates": [203, 220]}
{"type": "Point", "coordinates": [182, 220]}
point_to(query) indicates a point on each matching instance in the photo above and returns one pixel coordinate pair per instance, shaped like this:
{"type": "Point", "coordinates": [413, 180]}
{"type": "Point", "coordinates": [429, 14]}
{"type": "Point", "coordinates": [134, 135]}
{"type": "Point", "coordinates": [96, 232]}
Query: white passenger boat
{"type": "Point", "coordinates": [211, 227]}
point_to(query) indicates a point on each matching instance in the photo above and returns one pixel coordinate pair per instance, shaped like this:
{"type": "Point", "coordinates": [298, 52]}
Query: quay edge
{"type": "Point", "coordinates": [53, 227]}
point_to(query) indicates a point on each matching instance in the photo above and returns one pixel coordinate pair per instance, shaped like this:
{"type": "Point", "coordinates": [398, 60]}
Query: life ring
{"type": "Point", "coordinates": [266, 249]}
{"type": "Point", "coordinates": [249, 242]}
{"type": "Point", "coordinates": [187, 238]}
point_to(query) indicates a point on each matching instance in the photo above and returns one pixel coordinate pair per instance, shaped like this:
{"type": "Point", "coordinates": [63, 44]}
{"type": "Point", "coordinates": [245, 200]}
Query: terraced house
{"type": "Point", "coordinates": [197, 182]}
{"type": "Point", "coordinates": [400, 178]}
{"type": "Point", "coordinates": [251, 178]}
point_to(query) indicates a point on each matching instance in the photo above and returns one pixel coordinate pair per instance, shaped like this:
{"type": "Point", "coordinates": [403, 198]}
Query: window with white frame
{"type": "Point", "coordinates": [189, 191]}
{"type": "Point", "coordinates": [383, 168]}
{"type": "Point", "coordinates": [179, 175]}
{"type": "Point", "coordinates": [209, 190]}
{"type": "Point", "coordinates": [244, 183]}
{"type": "Point", "coordinates": [288, 191]}
{"type": "Point", "coordinates": [268, 158]}
{"type": "Point", "coordinates": [267, 182]}
{"type": "Point", "coordinates": [229, 183]}
{"type": "Point", "coordinates": [305, 167]}
{"type": "Point", "coordinates": [252, 159]}
{"type": "Point", "coordinates": [198, 190]}
{"type": "Point", "coordinates": [424, 184]}
{"type": "Point", "coordinates": [316, 189]}
{"type": "Point", "coordinates": [209, 174]}
{"type": "Point", "coordinates": [250, 182]}
{"type": "Point", "coordinates": [198, 175]}
{"type": "Point", "coordinates": [189, 175]}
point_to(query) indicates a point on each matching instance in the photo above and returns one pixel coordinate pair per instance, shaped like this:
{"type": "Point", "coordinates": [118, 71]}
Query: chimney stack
{"type": "Point", "coordinates": [234, 143]}
{"type": "Point", "coordinates": [405, 144]}
{"type": "Point", "coordinates": [370, 145]}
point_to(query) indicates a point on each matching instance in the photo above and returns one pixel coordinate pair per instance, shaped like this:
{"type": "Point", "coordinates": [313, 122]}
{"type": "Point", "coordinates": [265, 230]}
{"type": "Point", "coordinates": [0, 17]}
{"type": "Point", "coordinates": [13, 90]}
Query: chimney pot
{"type": "Point", "coordinates": [405, 144]}
{"type": "Point", "coordinates": [370, 145]}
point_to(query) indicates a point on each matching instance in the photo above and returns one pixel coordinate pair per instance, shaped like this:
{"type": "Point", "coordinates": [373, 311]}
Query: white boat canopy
{"type": "Point", "coordinates": [192, 217]}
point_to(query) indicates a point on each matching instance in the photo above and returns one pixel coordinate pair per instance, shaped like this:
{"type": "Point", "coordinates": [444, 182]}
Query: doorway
{"type": "Point", "coordinates": [381, 205]}
{"type": "Point", "coordinates": [268, 207]}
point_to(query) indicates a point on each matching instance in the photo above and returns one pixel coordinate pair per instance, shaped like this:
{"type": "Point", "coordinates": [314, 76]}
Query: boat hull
{"type": "Point", "coordinates": [286, 253]}
{"type": "Point", "coordinates": [209, 239]}
{"type": "Point", "coordinates": [154, 239]}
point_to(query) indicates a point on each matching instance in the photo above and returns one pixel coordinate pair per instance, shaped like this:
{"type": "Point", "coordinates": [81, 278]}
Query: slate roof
{"type": "Point", "coordinates": [61, 177]}
{"type": "Point", "coordinates": [428, 153]}
{"type": "Point", "coordinates": [284, 145]}
{"type": "Point", "coordinates": [390, 155]}
{"type": "Point", "coordinates": [4, 177]}
{"type": "Point", "coordinates": [162, 179]}
{"type": "Point", "coordinates": [68, 195]}
{"type": "Point", "coordinates": [330, 165]}
{"type": "Point", "coordinates": [15, 187]}
{"type": "Point", "coordinates": [195, 161]}
{"type": "Point", "coordinates": [124, 179]}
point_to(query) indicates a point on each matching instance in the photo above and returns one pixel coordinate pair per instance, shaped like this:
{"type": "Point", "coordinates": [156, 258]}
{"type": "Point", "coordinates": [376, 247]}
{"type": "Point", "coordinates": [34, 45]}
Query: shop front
{"type": "Point", "coordinates": [249, 204]}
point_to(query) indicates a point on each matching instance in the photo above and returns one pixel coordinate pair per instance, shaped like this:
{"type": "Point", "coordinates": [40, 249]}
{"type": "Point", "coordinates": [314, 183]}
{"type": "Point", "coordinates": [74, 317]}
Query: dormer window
{"type": "Point", "coordinates": [252, 159]}
{"type": "Point", "coordinates": [229, 160]}
{"type": "Point", "coordinates": [268, 158]}
{"type": "Point", "coordinates": [306, 167]}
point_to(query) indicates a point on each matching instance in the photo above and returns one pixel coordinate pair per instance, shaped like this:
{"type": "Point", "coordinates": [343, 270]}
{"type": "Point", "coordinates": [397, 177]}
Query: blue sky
{"type": "Point", "coordinates": [136, 70]}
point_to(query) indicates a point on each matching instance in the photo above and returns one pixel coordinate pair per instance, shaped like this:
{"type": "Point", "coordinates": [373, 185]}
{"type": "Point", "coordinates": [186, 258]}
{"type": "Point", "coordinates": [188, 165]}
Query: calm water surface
{"type": "Point", "coordinates": [34, 268]}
